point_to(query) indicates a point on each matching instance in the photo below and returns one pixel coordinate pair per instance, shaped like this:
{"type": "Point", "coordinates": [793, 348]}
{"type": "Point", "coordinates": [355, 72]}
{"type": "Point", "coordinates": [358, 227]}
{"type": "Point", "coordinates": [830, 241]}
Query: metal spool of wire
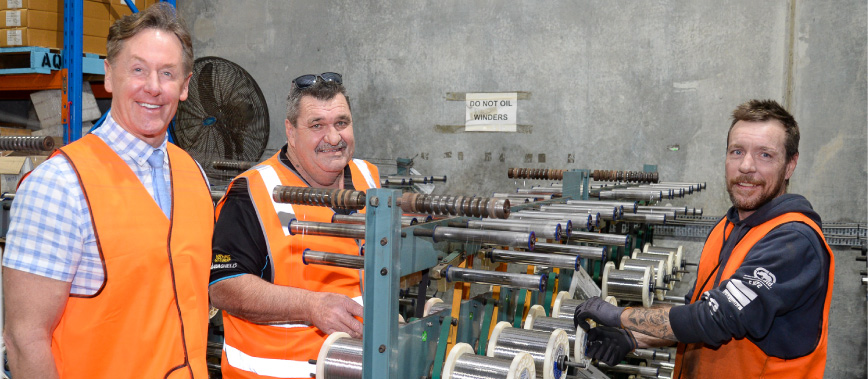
{"type": "Point", "coordinates": [340, 357]}
{"type": "Point", "coordinates": [536, 320]}
{"type": "Point", "coordinates": [678, 256]}
{"type": "Point", "coordinates": [546, 348]}
{"type": "Point", "coordinates": [435, 305]}
{"type": "Point", "coordinates": [667, 258]}
{"type": "Point", "coordinates": [627, 285]}
{"type": "Point", "coordinates": [565, 306]}
{"type": "Point", "coordinates": [462, 363]}
{"type": "Point", "coordinates": [658, 273]}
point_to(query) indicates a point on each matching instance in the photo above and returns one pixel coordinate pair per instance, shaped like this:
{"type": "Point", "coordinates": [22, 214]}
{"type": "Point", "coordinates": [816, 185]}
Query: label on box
{"type": "Point", "coordinates": [13, 18]}
{"type": "Point", "coordinates": [14, 4]}
{"type": "Point", "coordinates": [13, 38]}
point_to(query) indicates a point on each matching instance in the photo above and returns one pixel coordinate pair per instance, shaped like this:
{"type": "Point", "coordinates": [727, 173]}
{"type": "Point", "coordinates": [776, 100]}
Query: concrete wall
{"type": "Point", "coordinates": [613, 85]}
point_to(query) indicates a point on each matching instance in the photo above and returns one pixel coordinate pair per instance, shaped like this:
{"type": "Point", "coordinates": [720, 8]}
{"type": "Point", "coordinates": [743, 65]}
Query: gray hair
{"type": "Point", "coordinates": [321, 90]}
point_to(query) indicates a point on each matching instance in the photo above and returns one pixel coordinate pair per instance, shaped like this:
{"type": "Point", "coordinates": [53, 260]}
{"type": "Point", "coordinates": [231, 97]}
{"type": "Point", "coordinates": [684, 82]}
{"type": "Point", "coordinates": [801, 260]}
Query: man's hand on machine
{"type": "Point", "coordinates": [598, 310]}
{"type": "Point", "coordinates": [331, 312]}
{"type": "Point", "coordinates": [609, 345]}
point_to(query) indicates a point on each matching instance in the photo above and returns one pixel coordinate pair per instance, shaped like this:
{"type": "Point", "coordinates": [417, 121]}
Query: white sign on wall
{"type": "Point", "coordinates": [491, 112]}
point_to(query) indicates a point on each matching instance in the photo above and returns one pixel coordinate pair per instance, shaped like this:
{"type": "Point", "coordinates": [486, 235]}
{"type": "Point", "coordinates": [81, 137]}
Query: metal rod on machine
{"type": "Point", "coordinates": [508, 279]}
{"type": "Point", "coordinates": [577, 218]}
{"type": "Point", "coordinates": [616, 210]}
{"type": "Point", "coordinates": [26, 143]}
{"type": "Point", "coordinates": [610, 195]}
{"type": "Point", "coordinates": [359, 218]}
{"type": "Point", "coordinates": [625, 176]}
{"type": "Point", "coordinates": [539, 190]}
{"type": "Point", "coordinates": [652, 354]}
{"type": "Point", "coordinates": [681, 211]}
{"type": "Point", "coordinates": [332, 259]}
{"type": "Point", "coordinates": [550, 260]}
{"type": "Point", "coordinates": [626, 206]}
{"type": "Point", "coordinates": [608, 214]}
{"type": "Point", "coordinates": [217, 195]}
{"type": "Point", "coordinates": [454, 205]}
{"type": "Point", "coordinates": [545, 230]}
{"type": "Point", "coordinates": [326, 229]}
{"type": "Point", "coordinates": [647, 218]}
{"type": "Point", "coordinates": [669, 213]}
{"type": "Point", "coordinates": [585, 252]}
{"type": "Point", "coordinates": [232, 165]}
{"type": "Point", "coordinates": [496, 237]}
{"type": "Point", "coordinates": [697, 186]}
{"type": "Point", "coordinates": [602, 238]}
{"type": "Point", "coordinates": [320, 197]}
{"type": "Point", "coordinates": [643, 371]}
{"type": "Point", "coordinates": [535, 197]}
{"type": "Point", "coordinates": [535, 173]}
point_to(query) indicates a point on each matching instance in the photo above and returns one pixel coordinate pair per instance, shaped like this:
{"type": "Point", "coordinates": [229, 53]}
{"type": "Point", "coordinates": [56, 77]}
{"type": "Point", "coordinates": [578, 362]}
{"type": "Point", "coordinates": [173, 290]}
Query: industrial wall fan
{"type": "Point", "coordinates": [224, 123]}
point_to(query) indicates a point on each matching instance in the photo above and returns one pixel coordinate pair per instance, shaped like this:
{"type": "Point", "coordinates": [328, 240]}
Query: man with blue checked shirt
{"type": "Point", "coordinates": [106, 265]}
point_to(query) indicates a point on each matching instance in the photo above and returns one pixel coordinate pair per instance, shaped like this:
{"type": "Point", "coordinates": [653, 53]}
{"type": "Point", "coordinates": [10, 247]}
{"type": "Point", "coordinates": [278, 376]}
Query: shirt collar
{"type": "Point", "coordinates": [125, 144]}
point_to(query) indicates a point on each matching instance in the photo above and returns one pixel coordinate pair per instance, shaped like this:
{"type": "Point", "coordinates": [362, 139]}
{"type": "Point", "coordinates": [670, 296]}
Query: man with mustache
{"type": "Point", "coordinates": [277, 311]}
{"type": "Point", "coordinates": [760, 304]}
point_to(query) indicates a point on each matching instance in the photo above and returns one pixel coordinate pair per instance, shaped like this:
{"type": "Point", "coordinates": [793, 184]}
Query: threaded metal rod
{"type": "Point", "coordinates": [320, 197]}
{"type": "Point", "coordinates": [455, 205]}
{"type": "Point", "coordinates": [26, 143]}
{"type": "Point", "coordinates": [232, 165]}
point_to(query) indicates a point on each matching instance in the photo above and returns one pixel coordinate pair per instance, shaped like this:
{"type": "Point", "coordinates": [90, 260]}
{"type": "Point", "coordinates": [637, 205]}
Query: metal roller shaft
{"type": "Point", "coordinates": [320, 197]}
{"type": "Point", "coordinates": [343, 360]}
{"type": "Point", "coordinates": [332, 259]}
{"type": "Point", "coordinates": [585, 252]}
{"type": "Point", "coordinates": [647, 218]}
{"type": "Point", "coordinates": [650, 354]}
{"type": "Point", "coordinates": [359, 218]}
{"type": "Point", "coordinates": [326, 229]}
{"type": "Point", "coordinates": [550, 260]}
{"type": "Point", "coordinates": [535, 173]}
{"type": "Point", "coordinates": [643, 371]}
{"type": "Point", "coordinates": [679, 211]}
{"type": "Point", "coordinates": [611, 195]}
{"type": "Point", "coordinates": [627, 206]}
{"type": "Point", "coordinates": [608, 214]}
{"type": "Point", "coordinates": [496, 237]}
{"type": "Point", "coordinates": [625, 176]}
{"type": "Point", "coordinates": [602, 238]}
{"type": "Point", "coordinates": [578, 221]}
{"type": "Point", "coordinates": [455, 205]}
{"type": "Point", "coordinates": [539, 190]}
{"type": "Point", "coordinates": [232, 165]}
{"type": "Point", "coordinates": [545, 230]}
{"type": "Point", "coordinates": [522, 198]}
{"type": "Point", "coordinates": [525, 281]}
{"type": "Point", "coordinates": [26, 143]}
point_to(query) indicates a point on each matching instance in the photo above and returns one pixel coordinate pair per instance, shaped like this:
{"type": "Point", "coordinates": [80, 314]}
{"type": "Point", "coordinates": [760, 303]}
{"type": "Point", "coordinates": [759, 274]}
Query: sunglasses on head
{"type": "Point", "coordinates": [305, 81]}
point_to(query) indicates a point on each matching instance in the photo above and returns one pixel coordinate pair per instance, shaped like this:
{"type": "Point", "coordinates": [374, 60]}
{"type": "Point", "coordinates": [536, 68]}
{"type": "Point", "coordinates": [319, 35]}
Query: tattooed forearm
{"type": "Point", "coordinates": [651, 321]}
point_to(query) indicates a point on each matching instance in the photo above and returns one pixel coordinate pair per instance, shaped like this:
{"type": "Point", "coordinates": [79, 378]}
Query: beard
{"type": "Point", "coordinates": [752, 203]}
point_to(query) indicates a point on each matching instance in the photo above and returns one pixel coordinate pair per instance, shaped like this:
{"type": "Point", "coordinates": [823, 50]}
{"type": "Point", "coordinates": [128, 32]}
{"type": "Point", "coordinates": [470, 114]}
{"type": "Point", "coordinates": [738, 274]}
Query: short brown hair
{"type": "Point", "coordinates": [160, 16]}
{"type": "Point", "coordinates": [765, 110]}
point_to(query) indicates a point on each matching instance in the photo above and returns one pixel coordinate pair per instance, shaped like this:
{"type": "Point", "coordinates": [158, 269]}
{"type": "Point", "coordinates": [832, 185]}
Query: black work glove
{"type": "Point", "coordinates": [609, 345]}
{"type": "Point", "coordinates": [598, 310]}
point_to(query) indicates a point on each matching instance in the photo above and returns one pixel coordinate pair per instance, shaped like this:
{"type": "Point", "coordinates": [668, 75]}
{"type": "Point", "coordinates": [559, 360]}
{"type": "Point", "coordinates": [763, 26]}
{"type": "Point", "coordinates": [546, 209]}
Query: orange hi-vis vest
{"type": "Point", "coordinates": [282, 351]}
{"type": "Point", "coordinates": [740, 357]}
{"type": "Point", "coordinates": [150, 317]}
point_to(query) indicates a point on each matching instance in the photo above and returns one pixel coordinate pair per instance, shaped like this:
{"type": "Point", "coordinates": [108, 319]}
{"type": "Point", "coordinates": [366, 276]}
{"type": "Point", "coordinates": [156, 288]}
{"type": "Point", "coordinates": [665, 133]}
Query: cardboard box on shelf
{"type": "Point", "coordinates": [48, 38]}
{"type": "Point", "coordinates": [46, 20]}
{"type": "Point", "coordinates": [11, 171]}
{"type": "Point", "coordinates": [42, 5]}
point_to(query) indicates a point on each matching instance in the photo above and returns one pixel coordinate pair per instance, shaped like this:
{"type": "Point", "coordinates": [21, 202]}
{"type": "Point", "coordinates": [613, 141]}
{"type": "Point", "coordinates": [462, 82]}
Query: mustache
{"type": "Point", "coordinates": [747, 179]}
{"type": "Point", "coordinates": [327, 146]}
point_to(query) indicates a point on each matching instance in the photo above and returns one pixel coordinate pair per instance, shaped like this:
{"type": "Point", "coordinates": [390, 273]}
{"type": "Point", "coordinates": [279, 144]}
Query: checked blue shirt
{"type": "Point", "coordinates": [50, 231]}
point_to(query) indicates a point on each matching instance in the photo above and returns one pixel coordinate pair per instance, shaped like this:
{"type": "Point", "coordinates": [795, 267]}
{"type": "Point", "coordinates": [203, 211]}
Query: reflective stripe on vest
{"type": "Point", "coordinates": [151, 314]}
{"type": "Point", "coordinates": [278, 368]}
{"type": "Point", "coordinates": [742, 356]}
{"type": "Point", "coordinates": [363, 168]}
{"type": "Point", "coordinates": [284, 211]}
{"type": "Point", "coordinates": [284, 345]}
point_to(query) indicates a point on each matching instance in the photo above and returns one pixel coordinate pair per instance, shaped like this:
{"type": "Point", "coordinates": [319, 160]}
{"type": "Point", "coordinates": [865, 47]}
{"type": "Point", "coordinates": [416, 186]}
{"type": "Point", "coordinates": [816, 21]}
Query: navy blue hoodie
{"type": "Point", "coordinates": [783, 317]}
